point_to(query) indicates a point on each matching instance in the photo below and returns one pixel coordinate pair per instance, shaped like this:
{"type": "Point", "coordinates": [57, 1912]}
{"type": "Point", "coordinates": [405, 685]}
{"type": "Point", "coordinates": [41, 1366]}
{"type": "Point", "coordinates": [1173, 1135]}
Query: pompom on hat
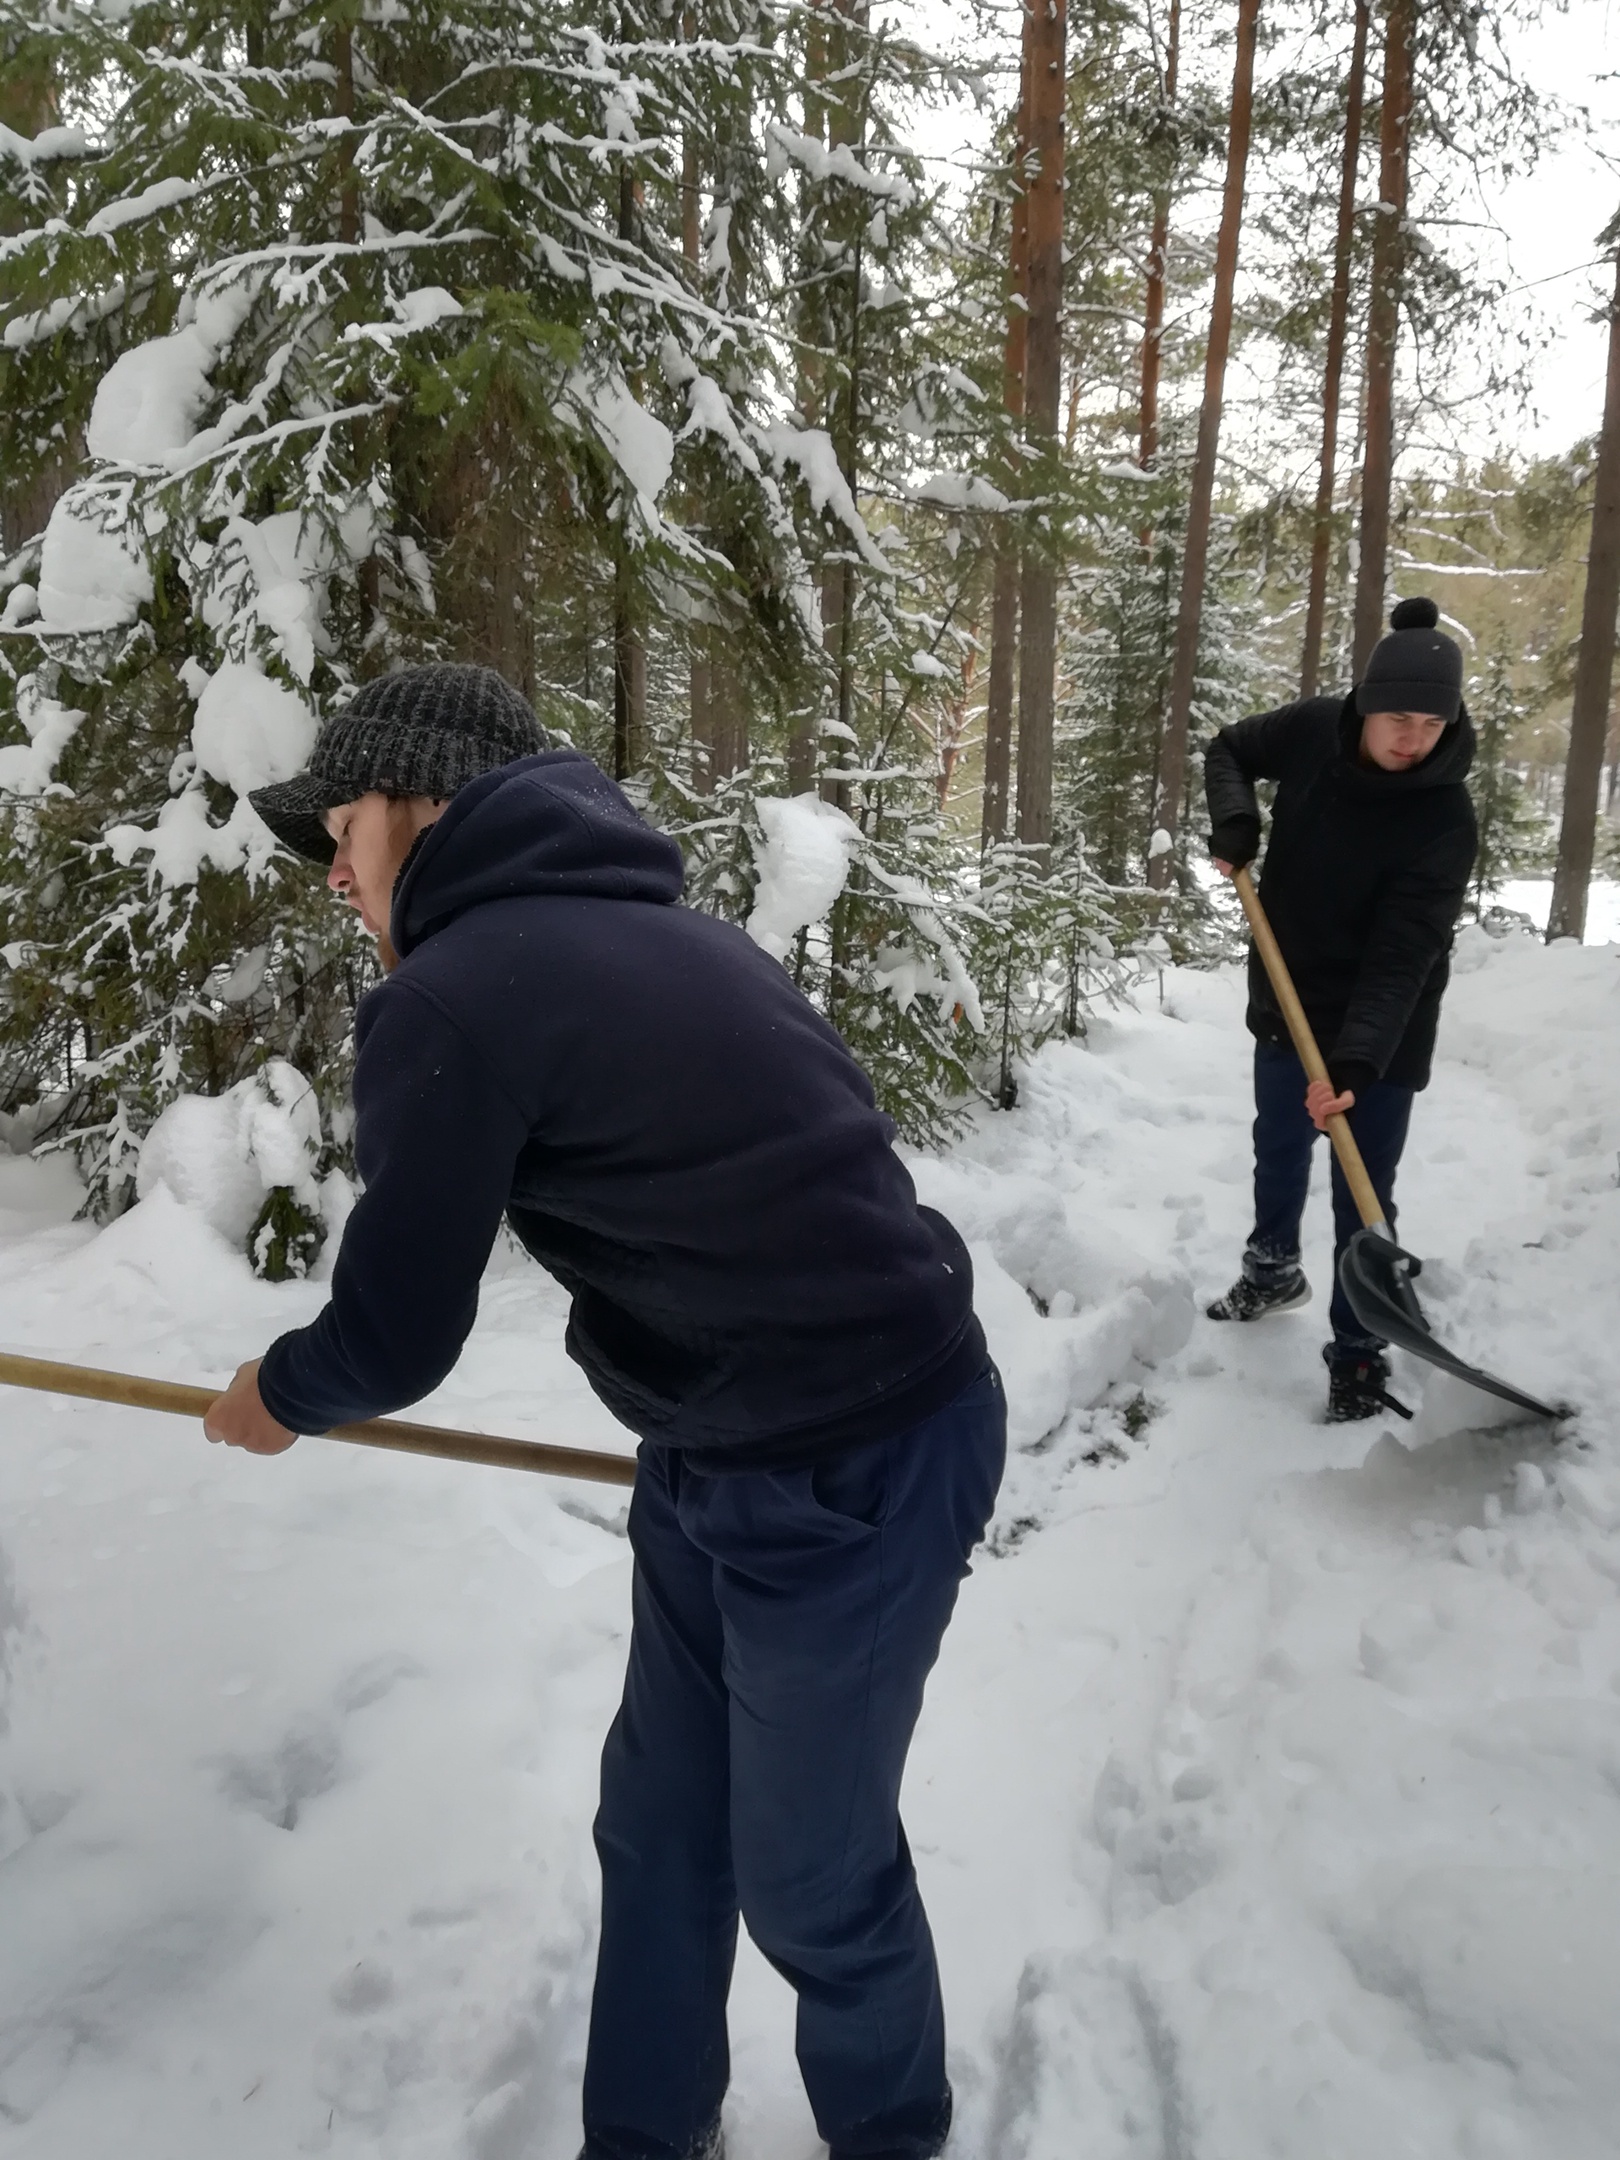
{"type": "Point", "coordinates": [1416, 668]}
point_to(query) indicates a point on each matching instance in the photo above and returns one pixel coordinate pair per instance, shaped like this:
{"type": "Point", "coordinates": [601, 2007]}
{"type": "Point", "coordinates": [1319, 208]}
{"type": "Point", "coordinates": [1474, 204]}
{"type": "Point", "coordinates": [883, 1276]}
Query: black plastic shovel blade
{"type": "Point", "coordinates": [1377, 1279]}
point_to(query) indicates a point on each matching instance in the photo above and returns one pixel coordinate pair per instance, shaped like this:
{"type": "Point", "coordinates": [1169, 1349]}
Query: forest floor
{"type": "Point", "coordinates": [1267, 1797]}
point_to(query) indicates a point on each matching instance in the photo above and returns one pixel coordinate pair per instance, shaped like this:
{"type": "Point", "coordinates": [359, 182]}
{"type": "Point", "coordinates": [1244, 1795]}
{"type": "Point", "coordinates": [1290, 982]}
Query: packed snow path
{"type": "Point", "coordinates": [1267, 1800]}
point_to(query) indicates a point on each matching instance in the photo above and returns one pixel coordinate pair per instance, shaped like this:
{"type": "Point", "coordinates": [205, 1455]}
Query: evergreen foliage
{"type": "Point", "coordinates": [1514, 839]}
{"type": "Point", "coordinates": [632, 352]}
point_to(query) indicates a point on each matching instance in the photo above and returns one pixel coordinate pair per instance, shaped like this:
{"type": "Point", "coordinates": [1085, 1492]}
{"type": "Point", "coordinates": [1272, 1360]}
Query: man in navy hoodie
{"type": "Point", "coordinates": [678, 1137]}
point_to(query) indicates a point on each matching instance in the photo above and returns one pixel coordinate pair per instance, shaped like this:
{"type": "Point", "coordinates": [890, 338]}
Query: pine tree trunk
{"type": "Point", "coordinates": [699, 676]}
{"type": "Point", "coordinates": [1195, 561]}
{"type": "Point", "coordinates": [348, 184]}
{"type": "Point", "coordinates": [511, 600]}
{"type": "Point", "coordinates": [691, 193]}
{"type": "Point", "coordinates": [1043, 377]}
{"type": "Point", "coordinates": [629, 673]}
{"type": "Point", "coordinates": [845, 125]}
{"type": "Point", "coordinates": [486, 601]}
{"type": "Point", "coordinates": [1310, 665]}
{"type": "Point", "coordinates": [998, 707]}
{"type": "Point", "coordinates": [803, 740]}
{"type": "Point", "coordinates": [1153, 311]}
{"type": "Point", "coordinates": [1383, 327]}
{"type": "Point", "coordinates": [700, 706]}
{"type": "Point", "coordinates": [1594, 665]}
{"type": "Point", "coordinates": [728, 694]}
{"type": "Point", "coordinates": [999, 690]}
{"type": "Point", "coordinates": [840, 626]}
{"type": "Point", "coordinates": [629, 651]}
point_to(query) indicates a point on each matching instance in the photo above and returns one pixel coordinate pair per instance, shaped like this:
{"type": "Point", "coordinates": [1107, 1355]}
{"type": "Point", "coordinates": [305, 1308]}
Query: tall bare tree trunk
{"type": "Point", "coordinates": [1310, 665]}
{"type": "Point", "coordinates": [482, 535]}
{"type": "Point", "coordinates": [629, 674]}
{"type": "Point", "coordinates": [1383, 327]}
{"type": "Point", "coordinates": [348, 184]}
{"type": "Point", "coordinates": [698, 671]}
{"type": "Point", "coordinates": [833, 583]}
{"type": "Point", "coordinates": [1195, 561]}
{"type": "Point", "coordinates": [845, 125]}
{"type": "Point", "coordinates": [629, 650]}
{"type": "Point", "coordinates": [730, 694]}
{"type": "Point", "coordinates": [823, 57]}
{"type": "Point", "coordinates": [833, 789]}
{"type": "Point", "coordinates": [1153, 311]}
{"type": "Point", "coordinates": [998, 705]}
{"type": "Point", "coordinates": [1043, 379]}
{"type": "Point", "coordinates": [1594, 664]}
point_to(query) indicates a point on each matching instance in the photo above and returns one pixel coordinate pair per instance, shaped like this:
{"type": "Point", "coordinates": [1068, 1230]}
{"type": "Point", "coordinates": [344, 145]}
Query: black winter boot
{"type": "Point", "coordinates": [1358, 1385]}
{"type": "Point", "coordinates": [1248, 1300]}
{"type": "Point", "coordinates": [713, 2147]}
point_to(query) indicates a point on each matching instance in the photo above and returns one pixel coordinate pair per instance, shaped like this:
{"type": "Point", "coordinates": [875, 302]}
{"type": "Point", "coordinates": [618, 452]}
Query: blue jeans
{"type": "Point", "coordinates": [784, 1625]}
{"type": "Point", "coordinates": [1283, 1139]}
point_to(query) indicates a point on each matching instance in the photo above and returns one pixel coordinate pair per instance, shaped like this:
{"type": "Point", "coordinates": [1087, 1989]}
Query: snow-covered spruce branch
{"type": "Point", "coordinates": [240, 447]}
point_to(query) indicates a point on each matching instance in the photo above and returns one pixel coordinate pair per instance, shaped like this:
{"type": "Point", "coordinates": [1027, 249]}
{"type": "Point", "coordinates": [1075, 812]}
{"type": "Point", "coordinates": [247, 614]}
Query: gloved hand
{"type": "Point", "coordinates": [1234, 843]}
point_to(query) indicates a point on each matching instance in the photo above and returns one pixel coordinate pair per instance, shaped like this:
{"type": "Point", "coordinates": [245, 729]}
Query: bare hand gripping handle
{"type": "Point", "coordinates": [1368, 1205]}
{"type": "Point", "coordinates": [450, 1446]}
{"type": "Point", "coordinates": [1375, 1272]}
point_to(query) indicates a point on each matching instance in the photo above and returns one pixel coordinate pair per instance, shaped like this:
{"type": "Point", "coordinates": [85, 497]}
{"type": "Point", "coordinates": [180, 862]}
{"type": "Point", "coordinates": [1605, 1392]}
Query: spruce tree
{"type": "Point", "coordinates": [1513, 837]}
{"type": "Point", "coordinates": [365, 369]}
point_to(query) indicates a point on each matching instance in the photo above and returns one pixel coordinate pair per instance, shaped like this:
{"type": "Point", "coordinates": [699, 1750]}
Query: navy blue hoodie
{"type": "Point", "coordinates": [669, 1127]}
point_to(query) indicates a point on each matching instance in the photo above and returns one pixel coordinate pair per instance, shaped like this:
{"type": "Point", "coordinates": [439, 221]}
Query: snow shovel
{"type": "Point", "coordinates": [1376, 1274]}
{"type": "Point", "coordinates": [451, 1446]}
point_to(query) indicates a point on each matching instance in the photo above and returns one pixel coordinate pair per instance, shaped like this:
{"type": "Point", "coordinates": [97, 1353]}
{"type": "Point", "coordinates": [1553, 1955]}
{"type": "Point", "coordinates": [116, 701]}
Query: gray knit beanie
{"type": "Point", "coordinates": [425, 731]}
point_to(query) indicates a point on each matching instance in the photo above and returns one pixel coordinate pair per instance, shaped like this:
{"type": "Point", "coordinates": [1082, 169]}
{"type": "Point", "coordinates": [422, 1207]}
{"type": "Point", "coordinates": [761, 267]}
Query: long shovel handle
{"type": "Point", "coordinates": [450, 1446]}
{"type": "Point", "coordinates": [1368, 1205]}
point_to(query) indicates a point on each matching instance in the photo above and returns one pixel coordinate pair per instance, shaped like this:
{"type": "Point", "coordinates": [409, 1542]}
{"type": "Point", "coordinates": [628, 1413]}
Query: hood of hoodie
{"type": "Point", "coordinates": [1446, 764]}
{"type": "Point", "coordinates": [552, 826]}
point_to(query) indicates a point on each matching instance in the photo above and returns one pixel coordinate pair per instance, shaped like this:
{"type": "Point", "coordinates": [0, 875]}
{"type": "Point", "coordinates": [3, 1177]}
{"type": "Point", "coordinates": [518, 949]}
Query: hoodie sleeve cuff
{"type": "Point", "coordinates": [1235, 840]}
{"type": "Point", "coordinates": [282, 1406]}
{"type": "Point", "coordinates": [1352, 1074]}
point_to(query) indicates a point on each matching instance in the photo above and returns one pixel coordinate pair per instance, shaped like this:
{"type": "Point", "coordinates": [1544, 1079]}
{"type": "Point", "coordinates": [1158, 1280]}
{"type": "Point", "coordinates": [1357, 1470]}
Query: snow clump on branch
{"type": "Point", "coordinates": [801, 866]}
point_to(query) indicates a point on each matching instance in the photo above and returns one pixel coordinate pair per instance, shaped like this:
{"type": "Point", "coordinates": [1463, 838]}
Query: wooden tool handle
{"type": "Point", "coordinates": [1368, 1205]}
{"type": "Point", "coordinates": [450, 1446]}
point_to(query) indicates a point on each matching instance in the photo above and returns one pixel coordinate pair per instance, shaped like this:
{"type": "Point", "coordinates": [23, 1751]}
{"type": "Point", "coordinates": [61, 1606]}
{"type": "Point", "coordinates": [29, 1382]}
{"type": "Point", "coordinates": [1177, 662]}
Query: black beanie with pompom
{"type": "Point", "coordinates": [1417, 668]}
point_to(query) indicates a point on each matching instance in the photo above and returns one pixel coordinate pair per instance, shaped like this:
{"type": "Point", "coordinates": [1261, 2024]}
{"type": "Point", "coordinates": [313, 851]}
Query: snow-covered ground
{"type": "Point", "coordinates": [1533, 897]}
{"type": "Point", "coordinates": [1267, 1799]}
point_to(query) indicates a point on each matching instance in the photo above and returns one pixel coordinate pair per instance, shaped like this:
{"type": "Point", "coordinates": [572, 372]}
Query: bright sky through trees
{"type": "Point", "coordinates": [1546, 223]}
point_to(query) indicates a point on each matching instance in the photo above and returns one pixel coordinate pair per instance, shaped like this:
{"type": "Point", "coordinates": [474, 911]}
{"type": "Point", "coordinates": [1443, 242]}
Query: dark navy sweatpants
{"type": "Point", "coordinates": [784, 1625]}
{"type": "Point", "coordinates": [1283, 1139]}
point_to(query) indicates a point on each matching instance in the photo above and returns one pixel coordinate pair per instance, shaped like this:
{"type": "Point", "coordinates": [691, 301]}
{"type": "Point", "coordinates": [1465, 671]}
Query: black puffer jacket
{"type": "Point", "coordinates": [1364, 878]}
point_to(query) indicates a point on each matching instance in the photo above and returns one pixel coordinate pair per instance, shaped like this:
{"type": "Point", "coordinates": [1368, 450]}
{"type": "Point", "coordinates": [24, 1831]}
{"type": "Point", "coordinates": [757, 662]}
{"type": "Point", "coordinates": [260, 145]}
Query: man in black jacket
{"type": "Point", "coordinates": [678, 1137]}
{"type": "Point", "coordinates": [1372, 842]}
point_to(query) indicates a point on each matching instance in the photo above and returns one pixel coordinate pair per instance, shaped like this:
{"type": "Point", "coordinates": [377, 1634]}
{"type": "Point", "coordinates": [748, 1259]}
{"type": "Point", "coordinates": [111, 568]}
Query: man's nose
{"type": "Point", "coordinates": [340, 877]}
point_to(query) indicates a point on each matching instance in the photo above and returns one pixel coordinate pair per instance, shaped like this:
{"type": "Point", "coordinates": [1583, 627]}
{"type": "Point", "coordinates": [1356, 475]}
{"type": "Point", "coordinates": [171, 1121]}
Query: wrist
{"type": "Point", "coordinates": [1351, 1076]}
{"type": "Point", "coordinates": [269, 1378]}
{"type": "Point", "coordinates": [1235, 841]}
